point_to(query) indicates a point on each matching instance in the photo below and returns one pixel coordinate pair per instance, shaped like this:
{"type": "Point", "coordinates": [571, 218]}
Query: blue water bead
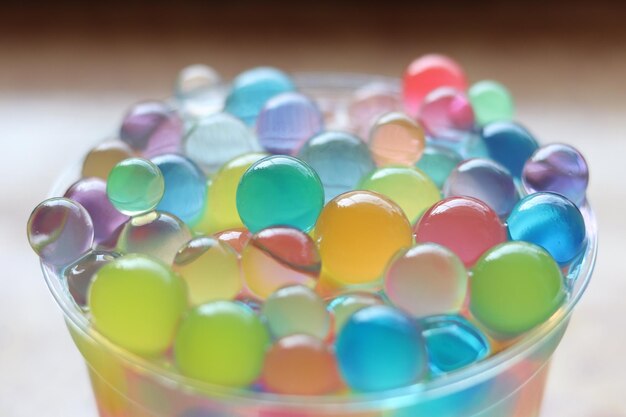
{"type": "Point", "coordinates": [185, 187]}
{"type": "Point", "coordinates": [381, 348]}
{"type": "Point", "coordinates": [437, 162]}
{"type": "Point", "coordinates": [509, 144]}
{"type": "Point", "coordinates": [550, 221]}
{"type": "Point", "coordinates": [287, 121]}
{"type": "Point", "coordinates": [452, 343]}
{"type": "Point", "coordinates": [340, 159]}
{"type": "Point", "coordinates": [252, 88]}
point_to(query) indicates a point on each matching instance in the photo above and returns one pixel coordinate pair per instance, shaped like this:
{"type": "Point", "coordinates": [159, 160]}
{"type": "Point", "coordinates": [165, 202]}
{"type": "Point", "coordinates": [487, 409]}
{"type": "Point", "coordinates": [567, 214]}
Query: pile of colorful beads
{"type": "Point", "coordinates": [253, 246]}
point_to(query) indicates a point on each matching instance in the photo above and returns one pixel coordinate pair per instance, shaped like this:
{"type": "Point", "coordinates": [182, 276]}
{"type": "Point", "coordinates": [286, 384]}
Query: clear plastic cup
{"type": "Point", "coordinates": [509, 384]}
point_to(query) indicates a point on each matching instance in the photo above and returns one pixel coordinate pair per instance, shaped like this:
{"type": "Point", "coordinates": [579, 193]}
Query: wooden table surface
{"type": "Point", "coordinates": [65, 86]}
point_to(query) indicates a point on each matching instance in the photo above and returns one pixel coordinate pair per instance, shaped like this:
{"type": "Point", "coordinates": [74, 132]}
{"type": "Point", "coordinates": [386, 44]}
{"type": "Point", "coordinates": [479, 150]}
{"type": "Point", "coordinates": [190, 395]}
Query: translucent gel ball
{"type": "Point", "coordinates": [236, 238]}
{"type": "Point", "coordinates": [446, 114]}
{"type": "Point", "coordinates": [252, 88]}
{"type": "Point", "coordinates": [345, 305]}
{"type": "Point", "coordinates": [157, 234]}
{"type": "Point", "coordinates": [137, 302]}
{"type": "Point", "coordinates": [217, 138]}
{"type": "Point", "coordinates": [279, 190]}
{"type": "Point", "coordinates": [135, 186]}
{"type": "Point", "coordinates": [453, 343]}
{"type": "Point", "coordinates": [358, 233]}
{"type": "Point", "coordinates": [185, 187]}
{"type": "Point", "coordinates": [60, 231]}
{"type": "Point", "coordinates": [279, 256]}
{"type": "Point", "coordinates": [438, 162]}
{"type": "Point", "coordinates": [484, 180]}
{"type": "Point", "coordinates": [221, 343]}
{"type": "Point", "coordinates": [509, 144]}
{"type": "Point", "coordinates": [381, 348]}
{"type": "Point", "coordinates": [152, 128]}
{"type": "Point", "coordinates": [515, 286]}
{"type": "Point", "coordinates": [220, 211]}
{"type": "Point", "coordinates": [558, 168]}
{"type": "Point", "coordinates": [210, 268]}
{"type": "Point", "coordinates": [368, 103]}
{"type": "Point", "coordinates": [396, 139]}
{"type": "Point", "coordinates": [465, 225]}
{"type": "Point", "coordinates": [340, 159]}
{"type": "Point", "coordinates": [550, 221]}
{"type": "Point", "coordinates": [91, 193]}
{"type": "Point", "coordinates": [287, 121]}
{"type": "Point", "coordinates": [296, 309]}
{"type": "Point", "coordinates": [426, 74]}
{"type": "Point", "coordinates": [491, 101]}
{"type": "Point", "coordinates": [425, 280]}
{"type": "Point", "coordinates": [196, 91]}
{"type": "Point", "coordinates": [301, 365]}
{"type": "Point", "coordinates": [100, 160]}
{"type": "Point", "coordinates": [81, 273]}
{"type": "Point", "coordinates": [409, 187]}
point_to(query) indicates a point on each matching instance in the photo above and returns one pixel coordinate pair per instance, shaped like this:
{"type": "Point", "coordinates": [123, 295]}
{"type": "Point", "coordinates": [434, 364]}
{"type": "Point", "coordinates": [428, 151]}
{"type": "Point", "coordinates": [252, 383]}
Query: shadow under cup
{"type": "Point", "coordinates": [509, 384]}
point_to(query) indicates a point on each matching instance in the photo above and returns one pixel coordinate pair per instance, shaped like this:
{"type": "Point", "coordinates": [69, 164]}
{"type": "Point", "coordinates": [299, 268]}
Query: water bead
{"type": "Point", "coordinates": [301, 365]}
{"type": "Point", "coordinates": [135, 186]}
{"type": "Point", "coordinates": [409, 187]}
{"type": "Point", "coordinates": [152, 128]}
{"type": "Point", "coordinates": [80, 274]}
{"type": "Point", "coordinates": [437, 162]}
{"type": "Point", "coordinates": [296, 309]}
{"type": "Point", "coordinates": [484, 180]}
{"type": "Point", "coordinates": [221, 343]}
{"type": "Point", "coordinates": [287, 121]}
{"type": "Point", "coordinates": [558, 168]}
{"type": "Point", "coordinates": [345, 305]}
{"type": "Point", "coordinates": [236, 238]}
{"type": "Point", "coordinates": [491, 101]}
{"type": "Point", "coordinates": [515, 286]}
{"type": "Point", "coordinates": [396, 139]}
{"type": "Point", "coordinates": [464, 225]}
{"type": "Point", "coordinates": [381, 348]}
{"type": "Point", "coordinates": [357, 233]}
{"type": "Point", "coordinates": [426, 74]}
{"type": "Point", "coordinates": [157, 234]}
{"type": "Point", "coordinates": [185, 187]}
{"type": "Point", "coordinates": [340, 159]}
{"type": "Point", "coordinates": [252, 88]}
{"type": "Point", "coordinates": [91, 193]}
{"type": "Point", "coordinates": [425, 280]}
{"type": "Point", "coordinates": [279, 256]}
{"type": "Point", "coordinates": [196, 90]}
{"type": "Point", "coordinates": [137, 302]}
{"type": "Point", "coordinates": [368, 103]}
{"type": "Point", "coordinates": [279, 190]}
{"type": "Point", "coordinates": [509, 144]}
{"type": "Point", "coordinates": [100, 160]}
{"type": "Point", "coordinates": [60, 231]}
{"type": "Point", "coordinates": [550, 221]}
{"type": "Point", "coordinates": [217, 138]}
{"type": "Point", "coordinates": [210, 268]}
{"type": "Point", "coordinates": [446, 114]}
{"type": "Point", "coordinates": [453, 343]}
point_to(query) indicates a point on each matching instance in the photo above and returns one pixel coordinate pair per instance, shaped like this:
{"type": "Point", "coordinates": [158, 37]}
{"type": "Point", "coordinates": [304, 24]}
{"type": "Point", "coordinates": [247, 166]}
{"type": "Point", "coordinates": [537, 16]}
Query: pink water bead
{"type": "Point", "coordinates": [370, 102]}
{"type": "Point", "coordinates": [447, 114]}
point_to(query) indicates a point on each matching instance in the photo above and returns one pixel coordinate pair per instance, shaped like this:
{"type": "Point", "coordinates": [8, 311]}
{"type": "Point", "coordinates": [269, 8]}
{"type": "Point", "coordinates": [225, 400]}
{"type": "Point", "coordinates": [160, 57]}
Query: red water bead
{"type": "Point", "coordinates": [465, 225]}
{"type": "Point", "coordinates": [236, 238]}
{"type": "Point", "coordinates": [427, 73]}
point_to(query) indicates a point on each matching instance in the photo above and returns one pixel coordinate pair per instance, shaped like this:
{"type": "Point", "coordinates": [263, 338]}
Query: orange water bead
{"type": "Point", "coordinates": [395, 138]}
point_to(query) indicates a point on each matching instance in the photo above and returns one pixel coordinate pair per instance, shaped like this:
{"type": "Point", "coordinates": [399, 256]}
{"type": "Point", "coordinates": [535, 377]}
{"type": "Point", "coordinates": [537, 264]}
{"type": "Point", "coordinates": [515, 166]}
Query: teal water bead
{"type": "Point", "coordinates": [252, 88]}
{"type": "Point", "coordinates": [381, 348]}
{"type": "Point", "coordinates": [509, 144]}
{"type": "Point", "coordinates": [135, 186]}
{"type": "Point", "coordinates": [491, 101]}
{"type": "Point", "coordinates": [438, 162]}
{"type": "Point", "coordinates": [340, 159]}
{"type": "Point", "coordinates": [279, 190]}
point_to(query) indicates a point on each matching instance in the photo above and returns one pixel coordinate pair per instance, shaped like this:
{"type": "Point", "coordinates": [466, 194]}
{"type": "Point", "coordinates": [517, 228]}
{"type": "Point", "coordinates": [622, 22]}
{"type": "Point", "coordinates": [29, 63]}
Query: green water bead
{"type": "Point", "coordinates": [223, 343]}
{"type": "Point", "coordinates": [137, 302]}
{"type": "Point", "coordinates": [135, 186]}
{"type": "Point", "coordinates": [514, 287]}
{"type": "Point", "coordinates": [491, 102]}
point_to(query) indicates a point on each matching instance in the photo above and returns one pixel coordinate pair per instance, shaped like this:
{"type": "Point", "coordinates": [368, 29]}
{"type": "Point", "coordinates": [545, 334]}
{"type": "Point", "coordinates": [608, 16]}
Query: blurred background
{"type": "Point", "coordinates": [69, 70]}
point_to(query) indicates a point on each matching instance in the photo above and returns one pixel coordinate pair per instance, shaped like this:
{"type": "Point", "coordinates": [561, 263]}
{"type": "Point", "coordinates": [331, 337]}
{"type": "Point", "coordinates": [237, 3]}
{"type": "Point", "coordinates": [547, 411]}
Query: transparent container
{"type": "Point", "coordinates": [508, 384]}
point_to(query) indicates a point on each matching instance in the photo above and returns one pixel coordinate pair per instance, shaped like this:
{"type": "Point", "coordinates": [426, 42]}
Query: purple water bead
{"type": "Point", "coordinates": [91, 193]}
{"type": "Point", "coordinates": [80, 274]}
{"type": "Point", "coordinates": [558, 168]}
